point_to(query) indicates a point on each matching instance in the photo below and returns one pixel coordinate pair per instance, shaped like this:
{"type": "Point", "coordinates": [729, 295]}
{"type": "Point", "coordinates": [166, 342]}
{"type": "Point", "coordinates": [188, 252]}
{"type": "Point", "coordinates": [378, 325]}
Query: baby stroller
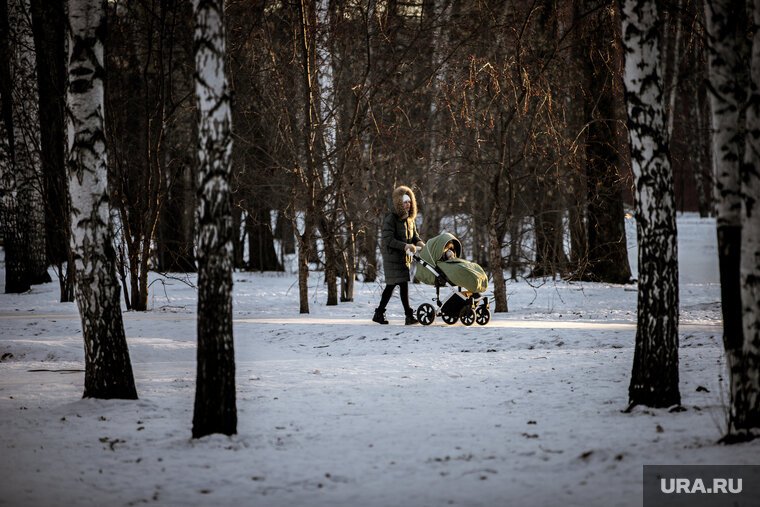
{"type": "Point", "coordinates": [439, 265]}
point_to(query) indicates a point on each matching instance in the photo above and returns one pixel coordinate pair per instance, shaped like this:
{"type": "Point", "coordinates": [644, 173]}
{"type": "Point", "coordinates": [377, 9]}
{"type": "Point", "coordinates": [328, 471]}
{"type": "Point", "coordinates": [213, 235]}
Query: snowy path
{"type": "Point", "coordinates": [317, 321]}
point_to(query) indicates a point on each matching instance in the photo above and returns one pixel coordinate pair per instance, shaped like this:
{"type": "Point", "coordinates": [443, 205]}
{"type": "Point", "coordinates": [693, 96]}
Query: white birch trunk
{"type": "Point", "coordinates": [725, 103]}
{"type": "Point", "coordinates": [215, 405]}
{"type": "Point", "coordinates": [108, 370]}
{"type": "Point", "coordinates": [654, 380]}
{"type": "Point", "coordinates": [750, 242]}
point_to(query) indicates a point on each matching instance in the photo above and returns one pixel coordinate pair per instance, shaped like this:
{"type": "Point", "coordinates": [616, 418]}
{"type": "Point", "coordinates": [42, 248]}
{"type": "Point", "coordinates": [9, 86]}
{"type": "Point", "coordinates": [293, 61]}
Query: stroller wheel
{"type": "Point", "coordinates": [467, 316]}
{"type": "Point", "coordinates": [426, 314]}
{"type": "Point", "coordinates": [482, 315]}
{"type": "Point", "coordinates": [449, 319]}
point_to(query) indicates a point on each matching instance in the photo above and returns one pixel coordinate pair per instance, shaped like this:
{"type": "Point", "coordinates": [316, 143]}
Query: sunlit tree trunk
{"type": "Point", "coordinates": [215, 405]}
{"type": "Point", "coordinates": [108, 371]}
{"type": "Point", "coordinates": [306, 174]}
{"type": "Point", "coordinates": [654, 379]}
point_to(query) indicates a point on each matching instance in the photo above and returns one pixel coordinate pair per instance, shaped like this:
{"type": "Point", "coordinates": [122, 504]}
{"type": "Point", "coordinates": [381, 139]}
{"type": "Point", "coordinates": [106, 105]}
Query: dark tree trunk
{"type": "Point", "coordinates": [331, 261]}
{"type": "Point", "coordinates": [284, 232]}
{"type": "Point", "coordinates": [607, 251]}
{"type": "Point", "coordinates": [654, 378]}
{"type": "Point", "coordinates": [26, 131]}
{"type": "Point", "coordinates": [369, 246]}
{"type": "Point", "coordinates": [215, 408]}
{"type": "Point", "coordinates": [108, 370]}
{"type": "Point", "coordinates": [750, 244]}
{"type": "Point", "coordinates": [261, 252]}
{"type": "Point", "coordinates": [550, 252]}
{"type": "Point", "coordinates": [49, 25]}
{"type": "Point", "coordinates": [14, 239]}
{"type": "Point", "coordinates": [238, 241]}
{"type": "Point", "coordinates": [176, 248]}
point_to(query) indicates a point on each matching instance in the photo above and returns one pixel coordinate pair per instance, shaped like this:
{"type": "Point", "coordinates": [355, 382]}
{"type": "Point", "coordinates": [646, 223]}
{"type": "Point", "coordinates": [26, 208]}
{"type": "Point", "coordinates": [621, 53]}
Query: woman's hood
{"type": "Point", "coordinates": [397, 205]}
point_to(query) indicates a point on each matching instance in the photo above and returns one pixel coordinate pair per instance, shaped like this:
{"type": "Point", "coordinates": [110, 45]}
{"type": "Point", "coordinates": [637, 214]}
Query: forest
{"type": "Point", "coordinates": [219, 137]}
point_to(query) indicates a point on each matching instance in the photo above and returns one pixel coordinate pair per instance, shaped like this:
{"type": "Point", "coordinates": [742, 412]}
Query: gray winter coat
{"type": "Point", "coordinates": [399, 230]}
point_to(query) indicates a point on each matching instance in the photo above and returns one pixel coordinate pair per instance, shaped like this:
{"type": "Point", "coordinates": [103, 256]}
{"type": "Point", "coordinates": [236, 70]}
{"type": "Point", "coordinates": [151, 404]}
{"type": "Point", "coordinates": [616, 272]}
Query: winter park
{"type": "Point", "coordinates": [379, 253]}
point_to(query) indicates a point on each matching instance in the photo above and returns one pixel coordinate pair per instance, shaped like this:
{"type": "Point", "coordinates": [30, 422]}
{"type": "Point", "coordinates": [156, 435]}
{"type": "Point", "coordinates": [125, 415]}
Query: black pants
{"type": "Point", "coordinates": [388, 292]}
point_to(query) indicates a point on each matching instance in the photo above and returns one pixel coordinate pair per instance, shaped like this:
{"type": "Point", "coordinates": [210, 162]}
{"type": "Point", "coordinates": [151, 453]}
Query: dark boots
{"type": "Point", "coordinates": [379, 316]}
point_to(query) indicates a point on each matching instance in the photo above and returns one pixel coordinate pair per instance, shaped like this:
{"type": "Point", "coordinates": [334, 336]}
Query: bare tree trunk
{"type": "Point", "coordinates": [698, 150]}
{"type": "Point", "coordinates": [108, 371]}
{"type": "Point", "coordinates": [607, 251]}
{"type": "Point", "coordinates": [331, 260]}
{"type": "Point", "coordinates": [497, 228]}
{"type": "Point", "coordinates": [307, 14]}
{"type": "Point", "coordinates": [654, 378]}
{"type": "Point", "coordinates": [215, 405]}
{"type": "Point", "coordinates": [369, 248]}
{"type": "Point", "coordinates": [749, 417]}
{"type": "Point", "coordinates": [26, 122]}
{"type": "Point", "coordinates": [723, 20]}
{"type": "Point", "coordinates": [49, 25]}
{"type": "Point", "coordinates": [14, 238]}
{"type": "Point", "coordinates": [262, 256]}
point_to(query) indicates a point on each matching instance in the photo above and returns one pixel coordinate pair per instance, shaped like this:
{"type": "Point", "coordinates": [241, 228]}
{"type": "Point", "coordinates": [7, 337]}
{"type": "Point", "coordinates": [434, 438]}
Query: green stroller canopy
{"type": "Point", "coordinates": [459, 272]}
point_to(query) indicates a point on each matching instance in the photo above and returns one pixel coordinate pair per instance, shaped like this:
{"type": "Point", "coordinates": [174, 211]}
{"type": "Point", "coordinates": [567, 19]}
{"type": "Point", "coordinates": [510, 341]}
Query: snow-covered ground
{"type": "Point", "coordinates": [335, 410]}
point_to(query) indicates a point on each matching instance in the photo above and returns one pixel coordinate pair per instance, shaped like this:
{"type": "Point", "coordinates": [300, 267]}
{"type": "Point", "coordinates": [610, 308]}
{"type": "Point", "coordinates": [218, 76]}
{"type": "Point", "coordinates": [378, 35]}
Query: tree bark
{"type": "Point", "coordinates": [654, 378]}
{"type": "Point", "coordinates": [724, 19]}
{"type": "Point", "coordinates": [108, 371]}
{"type": "Point", "coordinates": [215, 408]}
{"type": "Point", "coordinates": [261, 253]}
{"type": "Point", "coordinates": [49, 25]}
{"type": "Point", "coordinates": [308, 180]}
{"type": "Point", "coordinates": [14, 239]}
{"type": "Point", "coordinates": [607, 251]}
{"type": "Point", "coordinates": [749, 416]}
{"type": "Point", "coordinates": [26, 122]}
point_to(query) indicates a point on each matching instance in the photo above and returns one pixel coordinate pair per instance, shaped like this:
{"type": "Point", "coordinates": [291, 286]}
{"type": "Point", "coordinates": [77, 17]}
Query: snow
{"type": "Point", "coordinates": [334, 410]}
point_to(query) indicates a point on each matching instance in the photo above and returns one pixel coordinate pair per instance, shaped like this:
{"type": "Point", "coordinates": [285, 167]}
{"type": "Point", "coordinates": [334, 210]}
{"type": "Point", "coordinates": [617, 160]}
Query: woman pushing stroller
{"type": "Point", "coordinates": [400, 242]}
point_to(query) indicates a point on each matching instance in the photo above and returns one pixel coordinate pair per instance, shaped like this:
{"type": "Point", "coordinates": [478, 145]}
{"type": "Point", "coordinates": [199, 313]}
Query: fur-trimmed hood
{"type": "Point", "coordinates": [397, 206]}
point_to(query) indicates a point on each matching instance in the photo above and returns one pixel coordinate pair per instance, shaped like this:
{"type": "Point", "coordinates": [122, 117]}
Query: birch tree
{"type": "Point", "coordinates": [749, 417]}
{"type": "Point", "coordinates": [727, 95]}
{"type": "Point", "coordinates": [215, 406]}
{"type": "Point", "coordinates": [654, 379]}
{"type": "Point", "coordinates": [108, 371]}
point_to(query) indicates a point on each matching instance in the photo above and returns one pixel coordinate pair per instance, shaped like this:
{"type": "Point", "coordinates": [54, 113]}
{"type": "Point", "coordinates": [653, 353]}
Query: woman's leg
{"type": "Point", "coordinates": [405, 296]}
{"type": "Point", "coordinates": [387, 293]}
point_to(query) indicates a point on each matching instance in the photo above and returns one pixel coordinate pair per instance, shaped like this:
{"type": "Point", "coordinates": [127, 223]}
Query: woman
{"type": "Point", "coordinates": [399, 239]}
